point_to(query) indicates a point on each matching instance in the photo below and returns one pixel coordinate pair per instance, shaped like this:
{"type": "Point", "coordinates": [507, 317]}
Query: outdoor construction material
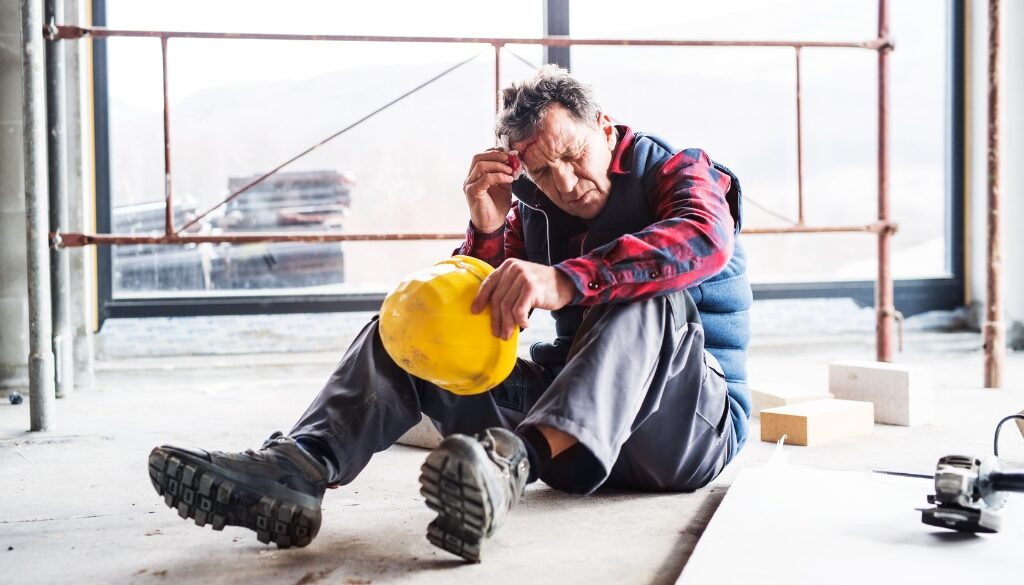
{"type": "Point", "coordinates": [797, 525]}
{"type": "Point", "coordinates": [813, 423]}
{"type": "Point", "coordinates": [423, 435]}
{"type": "Point", "coordinates": [902, 395]}
{"type": "Point", "coordinates": [772, 395]}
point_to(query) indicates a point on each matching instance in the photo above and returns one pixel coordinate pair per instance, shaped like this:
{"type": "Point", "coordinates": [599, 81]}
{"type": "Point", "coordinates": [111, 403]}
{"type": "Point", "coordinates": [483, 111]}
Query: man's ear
{"type": "Point", "coordinates": [604, 122]}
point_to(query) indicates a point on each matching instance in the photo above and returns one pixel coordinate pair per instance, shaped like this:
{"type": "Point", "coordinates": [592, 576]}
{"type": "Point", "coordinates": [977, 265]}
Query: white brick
{"type": "Point", "coordinates": [772, 395]}
{"type": "Point", "coordinates": [902, 394]}
{"type": "Point", "coordinates": [423, 435]}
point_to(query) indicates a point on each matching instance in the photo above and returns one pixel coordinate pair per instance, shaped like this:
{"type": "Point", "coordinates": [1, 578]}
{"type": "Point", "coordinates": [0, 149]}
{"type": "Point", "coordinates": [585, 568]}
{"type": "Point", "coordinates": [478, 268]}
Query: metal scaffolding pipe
{"type": "Point", "coordinates": [168, 193]}
{"type": "Point", "coordinates": [497, 78]}
{"type": "Point", "coordinates": [78, 32]}
{"type": "Point", "coordinates": [995, 327]}
{"type": "Point", "coordinates": [40, 358]}
{"type": "Point", "coordinates": [883, 227]}
{"type": "Point", "coordinates": [884, 294]}
{"type": "Point", "coordinates": [60, 262]}
{"type": "Point", "coordinates": [77, 240]}
{"type": "Point", "coordinates": [799, 146]}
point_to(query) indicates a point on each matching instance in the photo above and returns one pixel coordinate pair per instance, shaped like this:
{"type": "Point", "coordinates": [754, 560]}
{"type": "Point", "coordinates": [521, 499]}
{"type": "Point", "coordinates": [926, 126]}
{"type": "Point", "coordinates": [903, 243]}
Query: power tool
{"type": "Point", "coordinates": [969, 492]}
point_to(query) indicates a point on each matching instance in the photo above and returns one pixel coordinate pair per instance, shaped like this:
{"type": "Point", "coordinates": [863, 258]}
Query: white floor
{"type": "Point", "coordinates": [76, 504]}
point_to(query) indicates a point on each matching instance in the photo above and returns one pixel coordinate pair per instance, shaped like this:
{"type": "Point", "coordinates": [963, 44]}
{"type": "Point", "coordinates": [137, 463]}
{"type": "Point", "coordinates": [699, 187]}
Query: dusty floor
{"type": "Point", "coordinates": [76, 505]}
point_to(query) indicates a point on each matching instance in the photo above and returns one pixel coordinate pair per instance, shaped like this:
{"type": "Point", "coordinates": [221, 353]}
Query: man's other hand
{"type": "Point", "coordinates": [516, 287]}
{"type": "Point", "coordinates": [488, 189]}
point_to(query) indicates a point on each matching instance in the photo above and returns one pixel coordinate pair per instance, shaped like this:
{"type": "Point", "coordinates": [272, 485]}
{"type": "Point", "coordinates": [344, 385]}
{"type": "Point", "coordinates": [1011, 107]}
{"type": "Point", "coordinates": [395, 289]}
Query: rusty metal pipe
{"type": "Point", "coordinates": [76, 239]}
{"type": "Point", "coordinates": [497, 78]}
{"type": "Point", "coordinates": [995, 327]}
{"type": "Point", "coordinates": [884, 294]}
{"type": "Point", "coordinates": [168, 193]}
{"type": "Point", "coordinates": [799, 146]}
{"type": "Point", "coordinates": [78, 32]}
{"type": "Point", "coordinates": [886, 313]}
{"type": "Point", "coordinates": [73, 240]}
{"type": "Point", "coordinates": [873, 228]}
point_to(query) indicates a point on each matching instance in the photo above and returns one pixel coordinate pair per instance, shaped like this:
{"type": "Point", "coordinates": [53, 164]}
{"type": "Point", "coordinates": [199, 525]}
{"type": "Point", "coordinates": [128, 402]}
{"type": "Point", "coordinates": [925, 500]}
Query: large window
{"type": "Point", "coordinates": [241, 107]}
{"type": "Point", "coordinates": [739, 105]}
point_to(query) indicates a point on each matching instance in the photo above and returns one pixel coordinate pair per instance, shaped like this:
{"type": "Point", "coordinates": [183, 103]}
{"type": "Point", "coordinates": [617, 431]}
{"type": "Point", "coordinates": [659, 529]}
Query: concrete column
{"type": "Point", "coordinates": [1012, 138]}
{"type": "Point", "coordinates": [14, 346]}
{"type": "Point", "coordinates": [80, 197]}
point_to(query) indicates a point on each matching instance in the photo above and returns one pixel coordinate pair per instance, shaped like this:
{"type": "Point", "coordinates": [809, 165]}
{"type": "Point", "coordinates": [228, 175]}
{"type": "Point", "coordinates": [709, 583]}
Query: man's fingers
{"type": "Point", "coordinates": [519, 307]}
{"type": "Point", "coordinates": [480, 186]}
{"type": "Point", "coordinates": [483, 296]}
{"type": "Point", "coordinates": [488, 156]}
{"type": "Point", "coordinates": [521, 310]}
{"type": "Point", "coordinates": [479, 181]}
{"type": "Point", "coordinates": [501, 291]}
{"type": "Point", "coordinates": [506, 307]}
{"type": "Point", "coordinates": [483, 167]}
{"type": "Point", "coordinates": [510, 293]}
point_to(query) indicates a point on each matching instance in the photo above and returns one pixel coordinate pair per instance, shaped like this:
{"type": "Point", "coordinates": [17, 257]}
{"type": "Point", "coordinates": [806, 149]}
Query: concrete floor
{"type": "Point", "coordinates": [76, 504]}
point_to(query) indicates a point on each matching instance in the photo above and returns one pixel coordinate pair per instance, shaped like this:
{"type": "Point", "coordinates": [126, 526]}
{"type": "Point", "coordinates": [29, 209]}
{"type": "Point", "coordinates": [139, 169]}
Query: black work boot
{"type": "Point", "coordinates": [275, 491]}
{"type": "Point", "coordinates": [472, 483]}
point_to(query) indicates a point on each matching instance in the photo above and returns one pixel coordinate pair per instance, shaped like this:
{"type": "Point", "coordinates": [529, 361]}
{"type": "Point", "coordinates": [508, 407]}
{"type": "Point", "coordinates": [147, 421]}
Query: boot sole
{"type": "Point", "coordinates": [453, 488]}
{"type": "Point", "coordinates": [209, 495]}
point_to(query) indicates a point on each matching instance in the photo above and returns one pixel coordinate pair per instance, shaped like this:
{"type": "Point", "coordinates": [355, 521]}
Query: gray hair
{"type": "Point", "coordinates": [524, 103]}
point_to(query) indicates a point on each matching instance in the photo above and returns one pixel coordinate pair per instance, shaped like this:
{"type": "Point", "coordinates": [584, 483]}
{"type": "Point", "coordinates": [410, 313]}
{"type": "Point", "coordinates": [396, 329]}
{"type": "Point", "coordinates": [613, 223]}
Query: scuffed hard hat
{"type": "Point", "coordinates": [428, 329]}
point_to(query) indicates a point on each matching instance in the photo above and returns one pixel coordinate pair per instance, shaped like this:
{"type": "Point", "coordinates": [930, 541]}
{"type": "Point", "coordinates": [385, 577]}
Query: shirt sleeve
{"type": "Point", "coordinates": [691, 241]}
{"type": "Point", "coordinates": [494, 247]}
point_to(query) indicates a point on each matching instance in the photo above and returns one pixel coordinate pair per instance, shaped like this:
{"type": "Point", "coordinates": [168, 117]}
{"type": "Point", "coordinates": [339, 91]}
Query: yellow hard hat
{"type": "Point", "coordinates": [428, 329]}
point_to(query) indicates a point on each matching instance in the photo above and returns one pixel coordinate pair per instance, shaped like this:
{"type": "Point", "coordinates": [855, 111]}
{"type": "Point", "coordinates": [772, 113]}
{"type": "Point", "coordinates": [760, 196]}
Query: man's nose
{"type": "Point", "coordinates": [565, 178]}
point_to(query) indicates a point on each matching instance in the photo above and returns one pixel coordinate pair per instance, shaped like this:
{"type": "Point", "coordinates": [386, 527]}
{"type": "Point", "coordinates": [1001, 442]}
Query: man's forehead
{"type": "Point", "coordinates": [523, 147]}
{"type": "Point", "coordinates": [547, 142]}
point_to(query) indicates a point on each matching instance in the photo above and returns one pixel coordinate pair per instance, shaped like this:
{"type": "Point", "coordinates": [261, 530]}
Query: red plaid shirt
{"type": "Point", "coordinates": [691, 241]}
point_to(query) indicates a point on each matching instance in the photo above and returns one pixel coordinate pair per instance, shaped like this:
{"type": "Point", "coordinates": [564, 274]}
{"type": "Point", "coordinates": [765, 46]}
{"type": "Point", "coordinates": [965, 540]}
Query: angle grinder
{"type": "Point", "coordinates": [969, 492]}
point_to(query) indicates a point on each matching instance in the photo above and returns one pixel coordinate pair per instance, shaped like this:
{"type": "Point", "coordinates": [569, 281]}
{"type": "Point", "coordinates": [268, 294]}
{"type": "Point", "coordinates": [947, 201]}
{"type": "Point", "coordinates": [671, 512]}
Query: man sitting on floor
{"type": "Point", "coordinates": [634, 248]}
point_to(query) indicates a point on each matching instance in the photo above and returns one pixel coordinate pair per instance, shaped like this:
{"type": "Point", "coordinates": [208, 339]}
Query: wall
{"type": "Point", "coordinates": [14, 345]}
{"type": "Point", "coordinates": [13, 289]}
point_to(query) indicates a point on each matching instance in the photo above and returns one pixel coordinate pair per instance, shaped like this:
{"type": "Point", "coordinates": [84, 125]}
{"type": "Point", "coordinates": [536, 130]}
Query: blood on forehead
{"type": "Point", "coordinates": [523, 148]}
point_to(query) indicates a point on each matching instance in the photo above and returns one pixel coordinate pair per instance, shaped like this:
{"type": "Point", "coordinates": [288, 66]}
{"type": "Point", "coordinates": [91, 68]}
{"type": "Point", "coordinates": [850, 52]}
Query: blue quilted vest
{"type": "Point", "coordinates": [723, 301]}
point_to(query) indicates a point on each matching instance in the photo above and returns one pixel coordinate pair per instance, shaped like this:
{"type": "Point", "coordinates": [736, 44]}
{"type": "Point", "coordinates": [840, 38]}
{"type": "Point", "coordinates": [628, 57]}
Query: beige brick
{"type": "Point", "coordinates": [816, 422]}
{"type": "Point", "coordinates": [902, 394]}
{"type": "Point", "coordinates": [772, 395]}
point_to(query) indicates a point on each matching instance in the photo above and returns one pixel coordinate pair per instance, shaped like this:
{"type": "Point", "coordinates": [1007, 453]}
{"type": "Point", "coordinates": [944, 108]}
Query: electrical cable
{"type": "Point", "coordinates": [903, 474]}
{"type": "Point", "coordinates": [999, 426]}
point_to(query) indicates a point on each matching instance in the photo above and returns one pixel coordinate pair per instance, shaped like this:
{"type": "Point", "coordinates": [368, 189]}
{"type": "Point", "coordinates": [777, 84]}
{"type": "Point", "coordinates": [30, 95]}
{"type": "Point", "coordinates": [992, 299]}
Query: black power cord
{"type": "Point", "coordinates": [999, 426]}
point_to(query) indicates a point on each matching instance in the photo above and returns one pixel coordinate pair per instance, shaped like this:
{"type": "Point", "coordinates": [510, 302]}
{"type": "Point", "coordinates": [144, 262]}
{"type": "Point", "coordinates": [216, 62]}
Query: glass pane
{"type": "Point", "coordinates": [739, 105]}
{"type": "Point", "coordinates": [239, 108]}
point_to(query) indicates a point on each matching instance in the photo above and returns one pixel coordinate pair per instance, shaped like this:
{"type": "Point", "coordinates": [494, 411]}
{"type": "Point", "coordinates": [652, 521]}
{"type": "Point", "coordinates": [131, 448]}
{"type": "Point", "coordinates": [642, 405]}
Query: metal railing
{"type": "Point", "coordinates": [883, 228]}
